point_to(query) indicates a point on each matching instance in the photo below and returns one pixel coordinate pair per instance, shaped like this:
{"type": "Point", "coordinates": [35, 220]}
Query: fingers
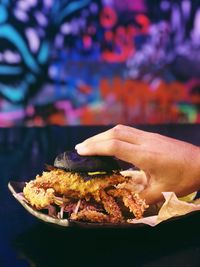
{"type": "Point", "coordinates": [122, 150]}
{"type": "Point", "coordinates": [119, 132]}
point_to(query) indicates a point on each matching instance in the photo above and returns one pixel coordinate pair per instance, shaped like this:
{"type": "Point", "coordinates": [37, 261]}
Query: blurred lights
{"type": "Point", "coordinates": [33, 39]}
{"type": "Point", "coordinates": [165, 5]}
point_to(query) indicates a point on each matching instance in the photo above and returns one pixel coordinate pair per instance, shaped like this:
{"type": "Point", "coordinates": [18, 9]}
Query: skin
{"type": "Point", "coordinates": [170, 165]}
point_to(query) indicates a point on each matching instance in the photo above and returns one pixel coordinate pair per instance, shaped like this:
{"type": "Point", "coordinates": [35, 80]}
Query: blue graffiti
{"type": "Point", "coordinates": [8, 32]}
{"type": "Point", "coordinates": [44, 52]}
{"type": "Point", "coordinates": [72, 7]}
{"type": "Point", "coordinates": [27, 63]}
{"type": "Point", "coordinates": [3, 14]}
{"type": "Point", "coordinates": [6, 70]}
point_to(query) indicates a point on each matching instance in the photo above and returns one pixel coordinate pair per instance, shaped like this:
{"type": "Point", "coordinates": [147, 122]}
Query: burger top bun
{"type": "Point", "coordinates": [72, 161]}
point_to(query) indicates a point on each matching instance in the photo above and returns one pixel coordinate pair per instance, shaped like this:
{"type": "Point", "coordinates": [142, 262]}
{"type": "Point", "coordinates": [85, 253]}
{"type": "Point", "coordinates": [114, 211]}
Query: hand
{"type": "Point", "coordinates": [170, 164]}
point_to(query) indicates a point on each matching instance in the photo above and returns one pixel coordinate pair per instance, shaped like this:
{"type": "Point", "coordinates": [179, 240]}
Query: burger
{"type": "Point", "coordinates": [85, 188]}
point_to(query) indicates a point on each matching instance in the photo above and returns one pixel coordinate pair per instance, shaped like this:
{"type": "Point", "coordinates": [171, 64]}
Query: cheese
{"type": "Point", "coordinates": [95, 173]}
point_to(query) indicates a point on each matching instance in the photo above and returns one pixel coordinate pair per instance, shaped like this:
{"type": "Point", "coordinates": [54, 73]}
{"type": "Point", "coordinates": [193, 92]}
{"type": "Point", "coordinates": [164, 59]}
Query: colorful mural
{"type": "Point", "coordinates": [99, 62]}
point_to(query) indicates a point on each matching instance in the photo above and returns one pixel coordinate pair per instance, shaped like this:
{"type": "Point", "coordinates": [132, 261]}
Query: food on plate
{"type": "Point", "coordinates": [85, 188]}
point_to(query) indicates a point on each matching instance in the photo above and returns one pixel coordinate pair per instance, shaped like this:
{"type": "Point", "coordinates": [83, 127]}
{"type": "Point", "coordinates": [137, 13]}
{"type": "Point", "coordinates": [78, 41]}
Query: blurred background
{"type": "Point", "coordinates": [99, 62]}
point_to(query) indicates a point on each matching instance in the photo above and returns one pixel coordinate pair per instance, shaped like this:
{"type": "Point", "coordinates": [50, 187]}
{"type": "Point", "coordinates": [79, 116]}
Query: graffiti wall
{"type": "Point", "coordinates": [99, 62]}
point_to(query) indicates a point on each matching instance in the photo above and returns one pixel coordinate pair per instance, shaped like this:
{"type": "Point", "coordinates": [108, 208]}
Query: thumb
{"type": "Point", "coordinates": [151, 195]}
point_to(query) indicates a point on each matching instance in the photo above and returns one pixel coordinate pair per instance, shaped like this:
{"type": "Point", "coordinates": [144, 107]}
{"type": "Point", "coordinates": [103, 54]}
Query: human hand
{"type": "Point", "coordinates": [170, 164]}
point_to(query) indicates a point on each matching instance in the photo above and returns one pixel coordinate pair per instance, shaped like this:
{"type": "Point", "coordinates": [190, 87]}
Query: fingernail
{"type": "Point", "coordinates": [80, 148]}
{"type": "Point", "coordinates": [77, 146]}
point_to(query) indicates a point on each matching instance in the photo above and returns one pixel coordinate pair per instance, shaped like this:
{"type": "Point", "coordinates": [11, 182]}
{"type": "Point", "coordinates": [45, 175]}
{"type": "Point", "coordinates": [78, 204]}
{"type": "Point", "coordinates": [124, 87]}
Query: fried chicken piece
{"type": "Point", "coordinates": [38, 196]}
{"type": "Point", "coordinates": [132, 201]}
{"type": "Point", "coordinates": [66, 183]}
{"type": "Point", "coordinates": [62, 188]}
{"type": "Point", "coordinates": [111, 207]}
{"type": "Point", "coordinates": [90, 215]}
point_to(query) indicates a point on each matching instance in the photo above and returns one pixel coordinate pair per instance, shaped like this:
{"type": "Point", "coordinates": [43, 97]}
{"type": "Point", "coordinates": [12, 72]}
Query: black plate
{"type": "Point", "coordinates": [17, 187]}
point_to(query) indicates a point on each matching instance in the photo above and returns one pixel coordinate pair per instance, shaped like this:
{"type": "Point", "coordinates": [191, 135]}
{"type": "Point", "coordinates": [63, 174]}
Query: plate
{"type": "Point", "coordinates": [17, 187]}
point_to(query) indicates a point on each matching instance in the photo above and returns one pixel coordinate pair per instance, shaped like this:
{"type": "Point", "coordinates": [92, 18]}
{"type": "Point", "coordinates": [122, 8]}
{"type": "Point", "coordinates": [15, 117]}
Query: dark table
{"type": "Point", "coordinates": [25, 241]}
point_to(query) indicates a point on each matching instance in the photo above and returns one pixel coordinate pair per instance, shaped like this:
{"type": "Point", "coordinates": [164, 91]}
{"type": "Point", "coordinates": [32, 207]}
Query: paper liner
{"type": "Point", "coordinates": [172, 207]}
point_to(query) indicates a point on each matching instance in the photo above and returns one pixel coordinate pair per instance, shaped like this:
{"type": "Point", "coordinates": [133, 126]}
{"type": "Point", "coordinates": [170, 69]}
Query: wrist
{"type": "Point", "coordinates": [195, 171]}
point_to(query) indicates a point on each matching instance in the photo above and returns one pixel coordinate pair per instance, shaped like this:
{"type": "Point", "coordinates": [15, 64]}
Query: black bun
{"type": "Point", "coordinates": [72, 161]}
